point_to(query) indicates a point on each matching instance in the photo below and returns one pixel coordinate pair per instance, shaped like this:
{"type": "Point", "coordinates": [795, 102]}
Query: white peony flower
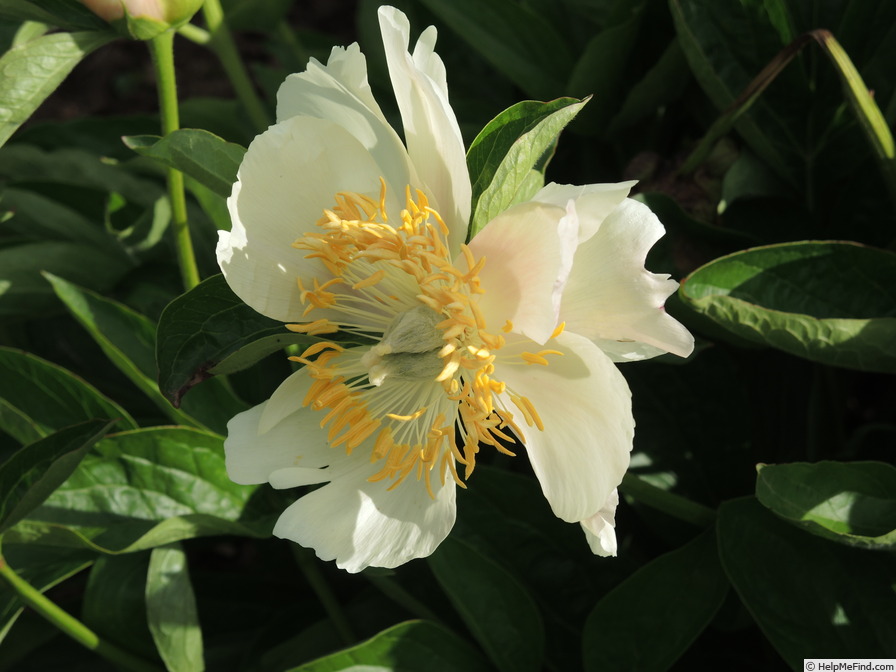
{"type": "Point", "coordinates": [340, 228]}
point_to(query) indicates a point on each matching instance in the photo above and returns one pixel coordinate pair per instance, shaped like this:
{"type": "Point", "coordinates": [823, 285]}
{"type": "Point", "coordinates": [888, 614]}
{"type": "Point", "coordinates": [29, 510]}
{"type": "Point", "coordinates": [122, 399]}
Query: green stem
{"type": "Point", "coordinates": [321, 588]}
{"type": "Point", "coordinates": [401, 597]}
{"type": "Point", "coordinates": [674, 505]}
{"type": "Point", "coordinates": [742, 104]}
{"type": "Point", "coordinates": [223, 46]}
{"type": "Point", "coordinates": [162, 50]}
{"type": "Point", "coordinates": [70, 625]}
{"type": "Point", "coordinates": [194, 33]}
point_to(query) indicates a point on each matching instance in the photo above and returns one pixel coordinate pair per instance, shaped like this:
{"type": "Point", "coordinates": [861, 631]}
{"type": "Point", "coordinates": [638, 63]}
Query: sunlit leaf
{"type": "Point", "coordinates": [59, 13]}
{"type": "Point", "coordinates": [406, 647]}
{"type": "Point", "coordinates": [31, 71]}
{"type": "Point", "coordinates": [171, 610]}
{"type": "Point", "coordinates": [203, 156]}
{"type": "Point", "coordinates": [144, 489]}
{"type": "Point", "coordinates": [853, 503]}
{"type": "Point", "coordinates": [830, 302]}
{"type": "Point", "coordinates": [504, 153]}
{"type": "Point", "coordinates": [32, 474]}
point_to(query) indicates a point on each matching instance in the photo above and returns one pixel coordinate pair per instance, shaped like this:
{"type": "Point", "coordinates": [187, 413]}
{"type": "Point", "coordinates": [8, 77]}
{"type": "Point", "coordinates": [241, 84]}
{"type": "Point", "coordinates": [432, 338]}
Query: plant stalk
{"type": "Point", "coordinates": [70, 625]}
{"type": "Point", "coordinates": [222, 44]}
{"type": "Point", "coordinates": [162, 50]}
{"type": "Point", "coordinates": [674, 505]}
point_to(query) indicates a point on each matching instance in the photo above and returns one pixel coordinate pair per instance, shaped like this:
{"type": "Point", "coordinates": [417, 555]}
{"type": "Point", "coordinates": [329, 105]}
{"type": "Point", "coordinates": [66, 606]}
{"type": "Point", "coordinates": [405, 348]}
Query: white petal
{"type": "Point", "coordinates": [525, 248]}
{"type": "Point", "coordinates": [593, 201]}
{"type": "Point", "coordinates": [280, 441]}
{"type": "Point", "coordinates": [600, 529]}
{"type": "Point", "coordinates": [361, 524]}
{"type": "Point", "coordinates": [610, 296]}
{"type": "Point", "coordinates": [252, 456]}
{"type": "Point", "coordinates": [431, 131]}
{"type": "Point", "coordinates": [286, 400]}
{"type": "Point", "coordinates": [340, 93]}
{"type": "Point", "coordinates": [290, 173]}
{"type": "Point", "coordinates": [585, 406]}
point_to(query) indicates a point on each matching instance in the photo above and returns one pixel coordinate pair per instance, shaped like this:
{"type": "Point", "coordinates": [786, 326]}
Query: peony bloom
{"type": "Point", "coordinates": [343, 231]}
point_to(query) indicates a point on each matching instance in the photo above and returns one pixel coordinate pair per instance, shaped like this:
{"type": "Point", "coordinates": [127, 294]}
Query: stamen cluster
{"type": "Point", "coordinates": [379, 273]}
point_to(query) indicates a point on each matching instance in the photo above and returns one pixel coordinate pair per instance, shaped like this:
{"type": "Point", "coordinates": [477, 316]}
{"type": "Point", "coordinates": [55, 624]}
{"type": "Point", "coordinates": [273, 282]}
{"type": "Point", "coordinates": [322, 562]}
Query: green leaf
{"type": "Point", "coordinates": [599, 72]}
{"type": "Point", "coordinates": [41, 397]}
{"type": "Point", "coordinates": [41, 566]}
{"type": "Point", "coordinates": [129, 340]}
{"type": "Point", "coordinates": [796, 125]}
{"type": "Point", "coordinates": [673, 598]}
{"type": "Point", "coordinates": [494, 606]}
{"type": "Point", "coordinates": [406, 647]}
{"type": "Point", "coordinates": [200, 329]}
{"type": "Point", "coordinates": [660, 86]}
{"type": "Point", "coordinates": [508, 149]}
{"type": "Point", "coordinates": [30, 72]}
{"type": "Point", "coordinates": [252, 352]}
{"type": "Point", "coordinates": [516, 40]}
{"type": "Point", "coordinates": [60, 13]}
{"type": "Point", "coordinates": [23, 292]}
{"type": "Point", "coordinates": [726, 49]}
{"type": "Point", "coordinates": [114, 604]}
{"type": "Point", "coordinates": [829, 302]}
{"type": "Point", "coordinates": [38, 218]}
{"type": "Point", "coordinates": [147, 488]}
{"type": "Point", "coordinates": [810, 597]}
{"type": "Point", "coordinates": [505, 517]}
{"type": "Point", "coordinates": [851, 503]}
{"type": "Point", "coordinates": [258, 15]}
{"type": "Point", "coordinates": [20, 162]}
{"type": "Point", "coordinates": [203, 156]}
{"type": "Point", "coordinates": [171, 610]}
{"type": "Point", "coordinates": [28, 31]}
{"type": "Point", "coordinates": [34, 472]}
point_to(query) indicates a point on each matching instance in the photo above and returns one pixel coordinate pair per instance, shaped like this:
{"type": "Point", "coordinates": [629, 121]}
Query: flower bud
{"type": "Point", "coordinates": [143, 19]}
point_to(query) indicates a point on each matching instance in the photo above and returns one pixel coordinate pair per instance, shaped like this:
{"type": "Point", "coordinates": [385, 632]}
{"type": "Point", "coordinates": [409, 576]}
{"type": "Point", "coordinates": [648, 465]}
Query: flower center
{"type": "Point", "coordinates": [428, 377]}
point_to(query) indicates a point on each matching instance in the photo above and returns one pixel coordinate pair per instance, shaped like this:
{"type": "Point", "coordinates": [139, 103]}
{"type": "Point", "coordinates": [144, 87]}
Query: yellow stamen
{"type": "Point", "coordinates": [405, 418]}
{"type": "Point", "coordinates": [322, 326]}
{"type": "Point", "coordinates": [371, 281]}
{"type": "Point", "coordinates": [412, 258]}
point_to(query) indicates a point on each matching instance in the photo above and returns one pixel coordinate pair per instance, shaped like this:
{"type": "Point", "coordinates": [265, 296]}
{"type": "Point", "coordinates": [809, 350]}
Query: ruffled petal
{"type": "Point", "coordinates": [528, 250]}
{"type": "Point", "coordinates": [361, 524]}
{"type": "Point", "coordinates": [431, 131]}
{"type": "Point", "coordinates": [584, 405]}
{"type": "Point", "coordinates": [593, 201]}
{"type": "Point", "coordinates": [339, 92]}
{"type": "Point", "coordinates": [610, 296]}
{"type": "Point", "coordinates": [600, 529]}
{"type": "Point", "coordinates": [289, 175]}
